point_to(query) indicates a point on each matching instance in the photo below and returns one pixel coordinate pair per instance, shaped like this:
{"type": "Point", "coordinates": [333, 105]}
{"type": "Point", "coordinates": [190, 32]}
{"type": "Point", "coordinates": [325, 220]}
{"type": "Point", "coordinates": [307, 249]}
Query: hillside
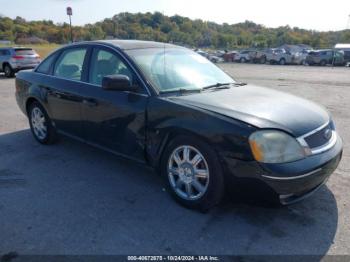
{"type": "Point", "coordinates": [175, 29]}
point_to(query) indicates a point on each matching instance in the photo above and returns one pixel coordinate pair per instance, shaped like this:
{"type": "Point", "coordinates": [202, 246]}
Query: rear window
{"type": "Point", "coordinates": [26, 51]}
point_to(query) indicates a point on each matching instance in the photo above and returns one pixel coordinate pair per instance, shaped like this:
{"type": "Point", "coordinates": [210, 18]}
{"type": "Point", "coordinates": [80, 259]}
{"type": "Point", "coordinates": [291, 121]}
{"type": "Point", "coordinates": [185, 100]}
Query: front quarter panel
{"type": "Point", "coordinates": [166, 119]}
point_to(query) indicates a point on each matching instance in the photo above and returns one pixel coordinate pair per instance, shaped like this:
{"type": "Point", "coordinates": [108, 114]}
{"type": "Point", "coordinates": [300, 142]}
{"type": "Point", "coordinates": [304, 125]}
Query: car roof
{"type": "Point", "coordinates": [131, 44]}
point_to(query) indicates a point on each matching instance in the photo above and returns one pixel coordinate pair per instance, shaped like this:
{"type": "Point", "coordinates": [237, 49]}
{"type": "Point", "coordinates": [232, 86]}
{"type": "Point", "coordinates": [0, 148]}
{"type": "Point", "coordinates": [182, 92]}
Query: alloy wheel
{"type": "Point", "coordinates": [188, 172]}
{"type": "Point", "coordinates": [39, 123]}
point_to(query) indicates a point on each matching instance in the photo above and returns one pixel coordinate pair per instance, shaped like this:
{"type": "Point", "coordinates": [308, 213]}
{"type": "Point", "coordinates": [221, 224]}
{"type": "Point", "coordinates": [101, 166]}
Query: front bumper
{"type": "Point", "coordinates": [291, 181]}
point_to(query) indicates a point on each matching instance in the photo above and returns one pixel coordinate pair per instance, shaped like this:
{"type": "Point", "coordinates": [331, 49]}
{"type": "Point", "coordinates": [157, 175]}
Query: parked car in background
{"type": "Point", "coordinates": [279, 56]}
{"type": "Point", "coordinates": [258, 56]}
{"type": "Point", "coordinates": [299, 58]}
{"type": "Point", "coordinates": [215, 59]}
{"type": "Point", "coordinates": [14, 59]}
{"type": "Point", "coordinates": [345, 48]}
{"type": "Point", "coordinates": [325, 57]}
{"type": "Point", "coordinates": [242, 56]}
{"type": "Point", "coordinates": [230, 56]}
{"type": "Point", "coordinates": [202, 53]}
{"type": "Point", "coordinates": [201, 129]}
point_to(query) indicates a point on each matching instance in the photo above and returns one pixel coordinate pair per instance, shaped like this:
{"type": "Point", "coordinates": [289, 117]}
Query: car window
{"type": "Point", "coordinates": [45, 66]}
{"type": "Point", "coordinates": [70, 64]}
{"type": "Point", "coordinates": [347, 54]}
{"type": "Point", "coordinates": [4, 52]}
{"type": "Point", "coordinates": [25, 51]}
{"type": "Point", "coordinates": [105, 63]}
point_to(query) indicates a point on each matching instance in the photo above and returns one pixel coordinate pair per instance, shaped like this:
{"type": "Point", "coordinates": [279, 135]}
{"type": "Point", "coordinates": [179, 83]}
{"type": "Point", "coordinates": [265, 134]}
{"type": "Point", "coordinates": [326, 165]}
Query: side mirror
{"type": "Point", "coordinates": [117, 83]}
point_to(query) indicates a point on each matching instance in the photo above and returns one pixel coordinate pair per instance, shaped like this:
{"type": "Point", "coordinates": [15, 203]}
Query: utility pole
{"type": "Point", "coordinates": [70, 13]}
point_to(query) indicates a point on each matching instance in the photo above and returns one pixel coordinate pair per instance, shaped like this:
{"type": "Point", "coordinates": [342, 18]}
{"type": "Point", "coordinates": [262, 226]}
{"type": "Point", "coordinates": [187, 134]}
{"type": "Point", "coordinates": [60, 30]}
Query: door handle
{"type": "Point", "coordinates": [89, 102]}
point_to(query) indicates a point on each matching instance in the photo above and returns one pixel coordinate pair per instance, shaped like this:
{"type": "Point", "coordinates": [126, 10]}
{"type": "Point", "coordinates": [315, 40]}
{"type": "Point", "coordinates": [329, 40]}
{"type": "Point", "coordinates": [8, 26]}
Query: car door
{"type": "Point", "coordinates": [63, 90]}
{"type": "Point", "coordinates": [338, 58]}
{"type": "Point", "coordinates": [114, 120]}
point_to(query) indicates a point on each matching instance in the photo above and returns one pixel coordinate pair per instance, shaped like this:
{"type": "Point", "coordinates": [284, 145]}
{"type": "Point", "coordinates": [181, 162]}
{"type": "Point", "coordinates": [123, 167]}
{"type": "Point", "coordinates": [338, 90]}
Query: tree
{"type": "Point", "coordinates": [176, 29]}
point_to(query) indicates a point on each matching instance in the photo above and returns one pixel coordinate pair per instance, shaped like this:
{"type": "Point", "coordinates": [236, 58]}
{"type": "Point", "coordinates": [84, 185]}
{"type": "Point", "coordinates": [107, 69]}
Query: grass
{"type": "Point", "coordinates": [42, 50]}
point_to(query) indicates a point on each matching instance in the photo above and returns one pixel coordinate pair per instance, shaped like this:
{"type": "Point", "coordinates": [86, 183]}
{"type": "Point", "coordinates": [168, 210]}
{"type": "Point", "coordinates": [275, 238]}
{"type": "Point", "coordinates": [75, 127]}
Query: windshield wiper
{"type": "Point", "coordinates": [180, 90]}
{"type": "Point", "coordinates": [218, 86]}
{"type": "Point", "coordinates": [223, 85]}
{"type": "Point", "coordinates": [191, 90]}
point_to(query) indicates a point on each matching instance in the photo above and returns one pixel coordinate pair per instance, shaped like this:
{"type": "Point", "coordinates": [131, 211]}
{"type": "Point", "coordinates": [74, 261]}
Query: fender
{"type": "Point", "coordinates": [178, 119]}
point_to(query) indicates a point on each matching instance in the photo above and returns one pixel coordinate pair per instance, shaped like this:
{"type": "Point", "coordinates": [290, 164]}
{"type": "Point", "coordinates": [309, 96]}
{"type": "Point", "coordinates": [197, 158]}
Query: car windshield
{"type": "Point", "coordinates": [174, 69]}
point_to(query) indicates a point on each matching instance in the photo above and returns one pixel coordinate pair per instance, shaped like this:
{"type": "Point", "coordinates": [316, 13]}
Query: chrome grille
{"type": "Point", "coordinates": [319, 138]}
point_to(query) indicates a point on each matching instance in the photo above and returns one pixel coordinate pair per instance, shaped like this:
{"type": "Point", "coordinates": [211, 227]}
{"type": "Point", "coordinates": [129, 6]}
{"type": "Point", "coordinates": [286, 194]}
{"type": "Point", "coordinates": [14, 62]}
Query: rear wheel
{"type": "Point", "coordinates": [40, 124]}
{"type": "Point", "coordinates": [282, 61]}
{"type": "Point", "coordinates": [193, 173]}
{"type": "Point", "coordinates": [8, 71]}
{"type": "Point", "coordinates": [323, 63]}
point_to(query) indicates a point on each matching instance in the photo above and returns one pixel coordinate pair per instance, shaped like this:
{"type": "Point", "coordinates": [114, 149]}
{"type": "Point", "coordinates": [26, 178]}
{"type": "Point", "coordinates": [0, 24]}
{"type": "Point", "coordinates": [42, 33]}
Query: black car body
{"type": "Point", "coordinates": [142, 122]}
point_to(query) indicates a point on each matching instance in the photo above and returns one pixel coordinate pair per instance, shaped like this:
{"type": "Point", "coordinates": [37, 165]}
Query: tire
{"type": "Point", "coordinates": [8, 71]}
{"type": "Point", "coordinates": [282, 61]}
{"type": "Point", "coordinates": [242, 60]}
{"type": "Point", "coordinates": [200, 191]}
{"type": "Point", "coordinates": [323, 63]}
{"type": "Point", "coordinates": [263, 60]}
{"type": "Point", "coordinates": [41, 125]}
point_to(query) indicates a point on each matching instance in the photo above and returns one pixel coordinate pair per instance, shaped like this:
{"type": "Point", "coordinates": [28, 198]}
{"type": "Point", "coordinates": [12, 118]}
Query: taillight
{"type": "Point", "coordinates": [18, 57]}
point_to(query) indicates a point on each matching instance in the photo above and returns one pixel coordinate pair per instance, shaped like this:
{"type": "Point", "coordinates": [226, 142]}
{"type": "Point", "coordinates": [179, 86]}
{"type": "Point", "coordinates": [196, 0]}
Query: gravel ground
{"type": "Point", "coordinates": [74, 199]}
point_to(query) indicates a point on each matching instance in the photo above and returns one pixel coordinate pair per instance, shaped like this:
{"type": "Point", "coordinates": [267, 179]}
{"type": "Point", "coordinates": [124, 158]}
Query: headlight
{"type": "Point", "coordinates": [273, 146]}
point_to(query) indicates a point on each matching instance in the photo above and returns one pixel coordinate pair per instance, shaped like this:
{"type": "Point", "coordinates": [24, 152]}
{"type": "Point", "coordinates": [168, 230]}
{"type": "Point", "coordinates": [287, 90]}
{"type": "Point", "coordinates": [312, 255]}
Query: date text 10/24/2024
{"type": "Point", "coordinates": [173, 258]}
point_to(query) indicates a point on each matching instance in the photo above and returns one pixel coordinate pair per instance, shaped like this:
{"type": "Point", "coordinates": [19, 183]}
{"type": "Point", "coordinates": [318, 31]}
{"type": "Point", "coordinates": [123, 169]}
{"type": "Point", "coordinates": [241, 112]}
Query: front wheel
{"type": "Point", "coordinates": [40, 124]}
{"type": "Point", "coordinates": [8, 71]}
{"type": "Point", "coordinates": [193, 173]}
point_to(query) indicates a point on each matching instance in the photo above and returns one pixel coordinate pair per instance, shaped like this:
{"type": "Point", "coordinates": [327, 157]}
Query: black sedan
{"type": "Point", "coordinates": [172, 109]}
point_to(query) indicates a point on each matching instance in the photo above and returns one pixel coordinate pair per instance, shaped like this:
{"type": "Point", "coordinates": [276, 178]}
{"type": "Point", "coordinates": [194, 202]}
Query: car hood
{"type": "Point", "coordinates": [261, 107]}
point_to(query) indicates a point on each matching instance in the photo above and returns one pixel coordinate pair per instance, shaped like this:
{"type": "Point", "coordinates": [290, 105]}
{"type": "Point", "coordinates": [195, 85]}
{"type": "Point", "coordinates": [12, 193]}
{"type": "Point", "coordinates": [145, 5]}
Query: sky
{"type": "Point", "coordinates": [308, 14]}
